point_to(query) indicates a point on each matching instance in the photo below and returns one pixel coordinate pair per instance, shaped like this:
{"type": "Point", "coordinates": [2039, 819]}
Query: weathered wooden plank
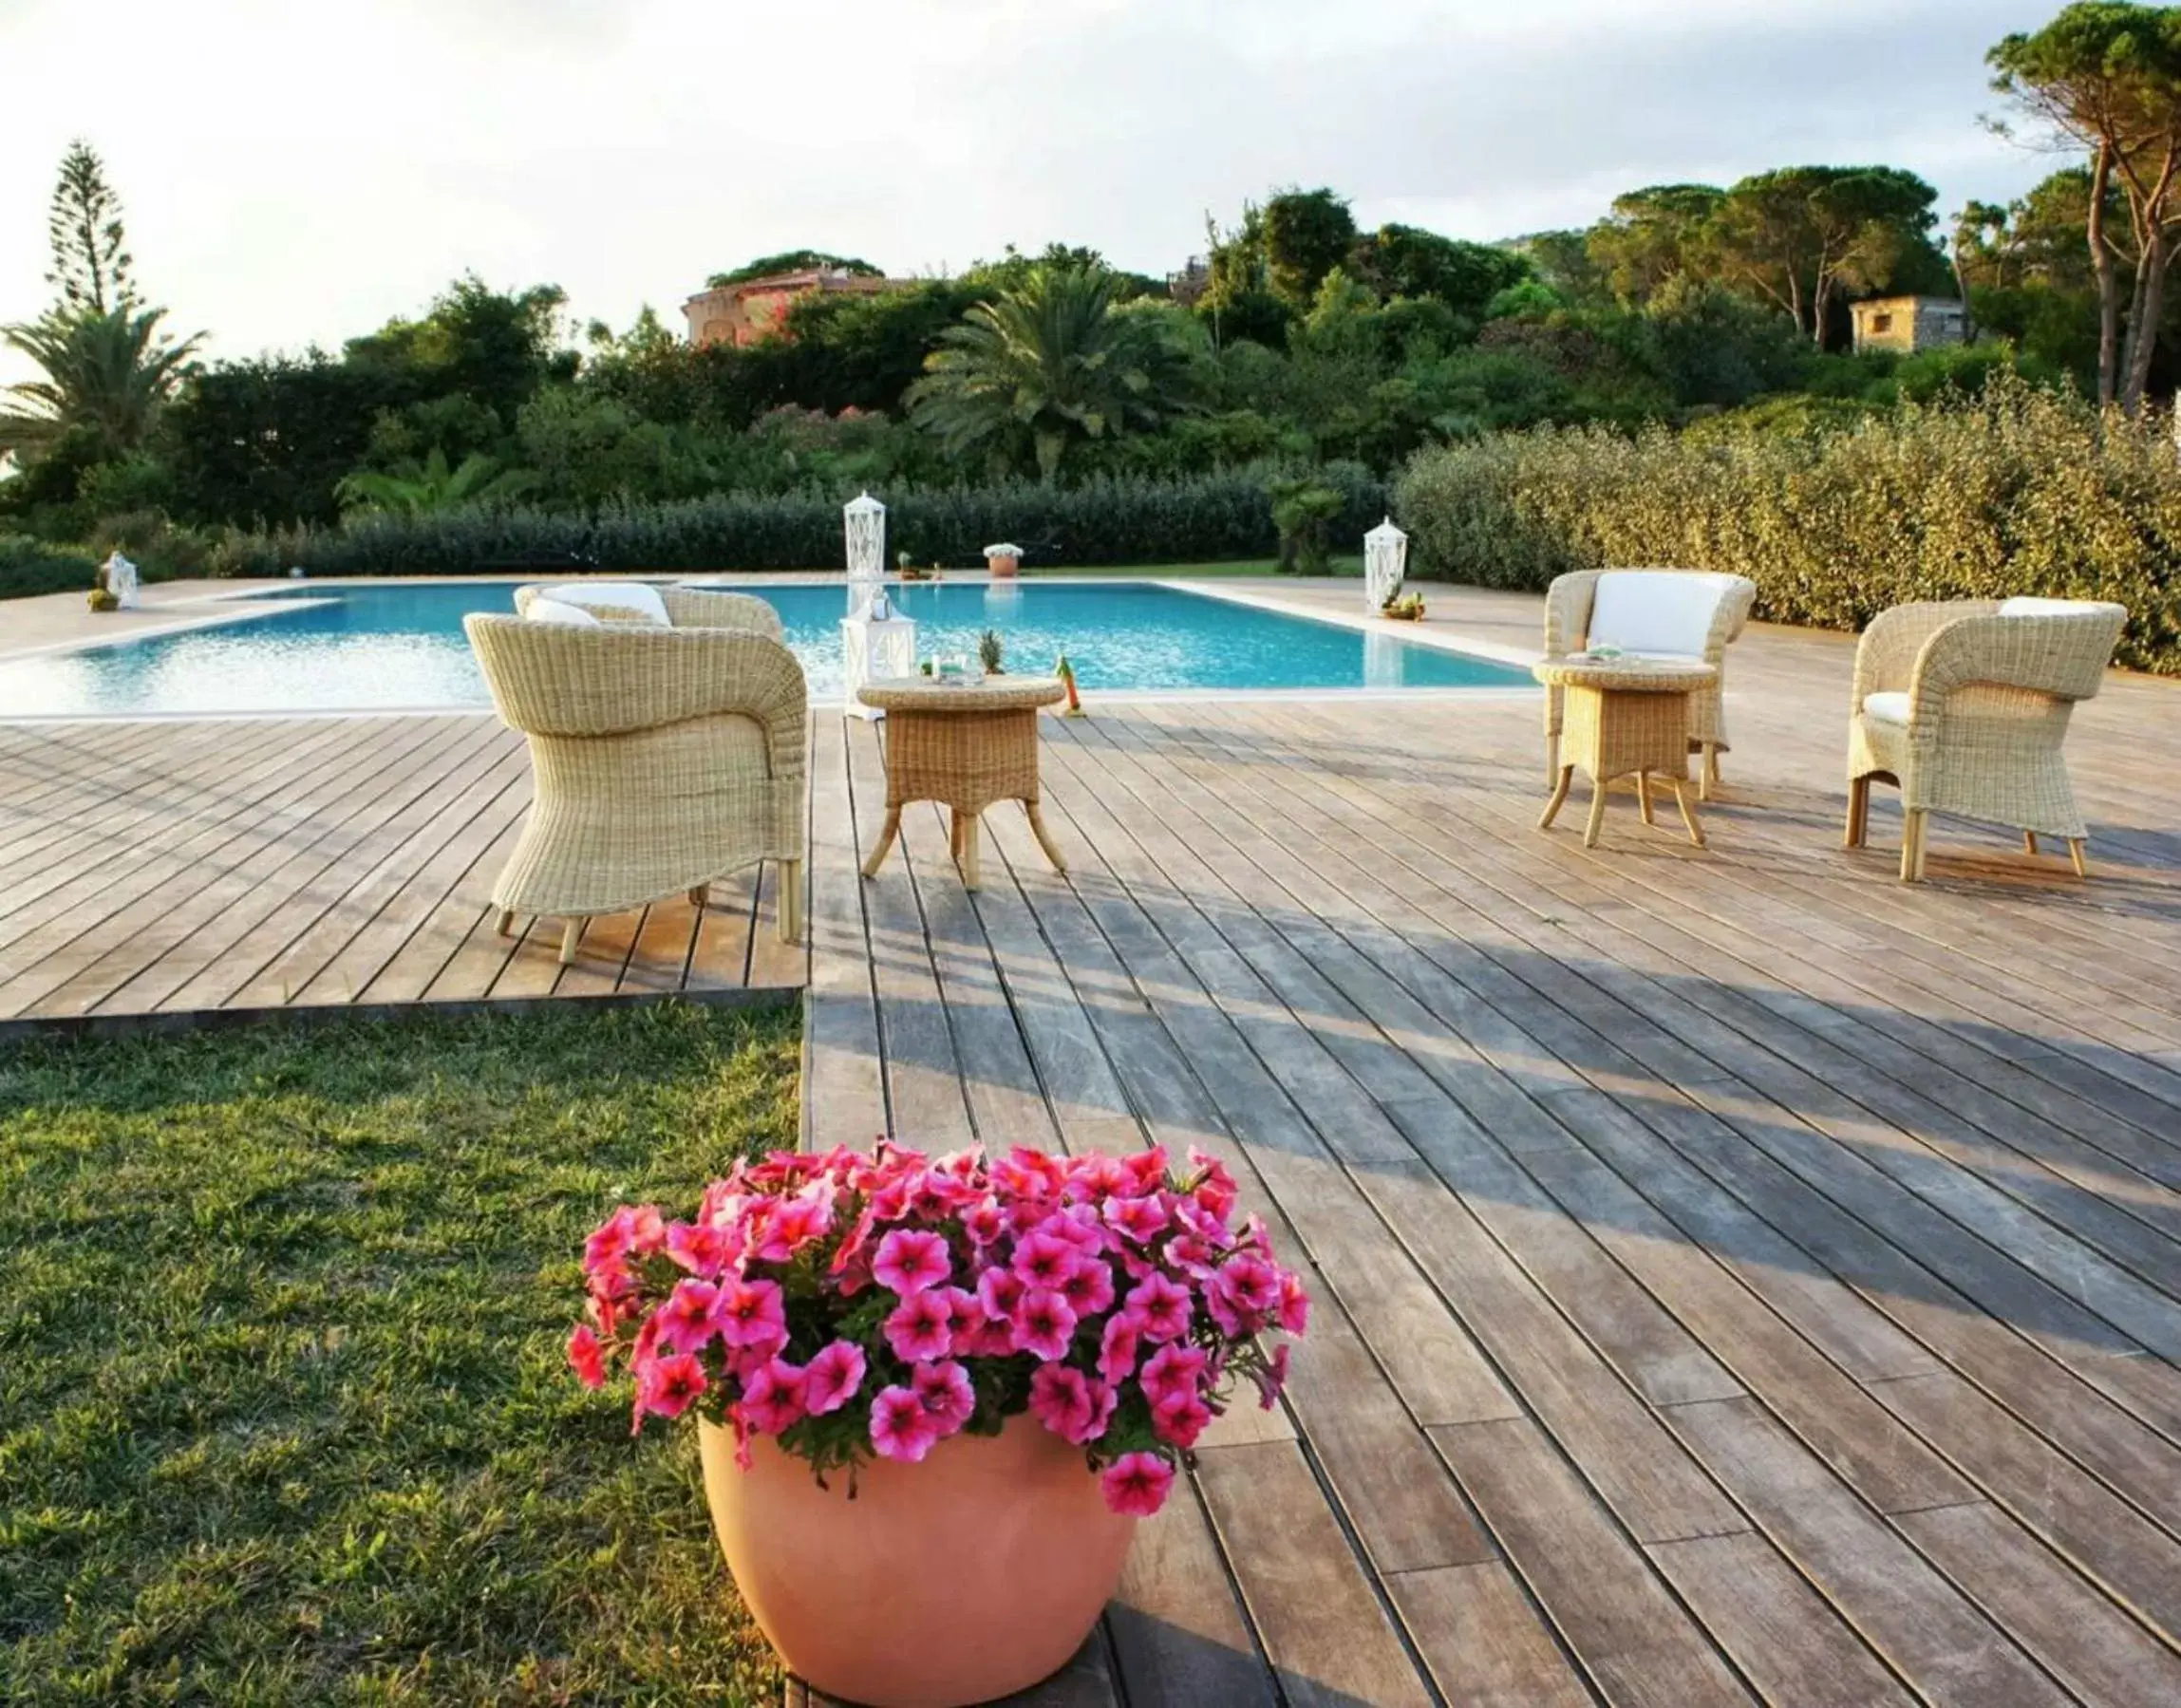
{"type": "Point", "coordinates": [1486, 1646]}
{"type": "Point", "coordinates": [1599, 1589]}
{"type": "Point", "coordinates": [1330, 1639]}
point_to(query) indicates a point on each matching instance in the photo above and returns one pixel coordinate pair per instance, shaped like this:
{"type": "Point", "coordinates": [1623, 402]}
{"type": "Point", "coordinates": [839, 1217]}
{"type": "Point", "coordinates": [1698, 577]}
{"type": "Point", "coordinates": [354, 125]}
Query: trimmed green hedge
{"type": "Point", "coordinates": [1212, 519]}
{"type": "Point", "coordinates": [29, 566]}
{"type": "Point", "coordinates": [2019, 490]}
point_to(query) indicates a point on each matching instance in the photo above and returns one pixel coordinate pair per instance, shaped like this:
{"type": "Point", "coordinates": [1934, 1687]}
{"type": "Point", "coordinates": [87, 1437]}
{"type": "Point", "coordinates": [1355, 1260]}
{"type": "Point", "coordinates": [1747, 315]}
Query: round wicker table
{"type": "Point", "coordinates": [1624, 715]}
{"type": "Point", "coordinates": [964, 745]}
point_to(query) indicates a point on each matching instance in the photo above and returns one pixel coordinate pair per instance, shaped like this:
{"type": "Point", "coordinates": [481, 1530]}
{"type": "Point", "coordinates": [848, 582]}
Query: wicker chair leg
{"type": "Point", "coordinates": [699, 895]}
{"type": "Point", "coordinates": [791, 901]}
{"type": "Point", "coordinates": [1643, 795]}
{"type": "Point", "coordinates": [1045, 837]}
{"type": "Point", "coordinates": [569, 931]}
{"type": "Point", "coordinates": [1552, 759]}
{"type": "Point", "coordinates": [2079, 852]}
{"type": "Point", "coordinates": [505, 925]}
{"type": "Point", "coordinates": [1858, 813]}
{"type": "Point", "coordinates": [1597, 820]}
{"type": "Point", "coordinates": [968, 825]}
{"type": "Point", "coordinates": [2029, 842]}
{"type": "Point", "coordinates": [1708, 776]}
{"type": "Point", "coordinates": [1912, 823]}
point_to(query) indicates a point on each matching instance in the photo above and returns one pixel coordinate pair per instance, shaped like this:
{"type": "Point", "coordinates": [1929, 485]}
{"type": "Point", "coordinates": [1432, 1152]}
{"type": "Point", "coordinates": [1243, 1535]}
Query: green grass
{"type": "Point", "coordinates": [283, 1411]}
{"type": "Point", "coordinates": [1187, 571]}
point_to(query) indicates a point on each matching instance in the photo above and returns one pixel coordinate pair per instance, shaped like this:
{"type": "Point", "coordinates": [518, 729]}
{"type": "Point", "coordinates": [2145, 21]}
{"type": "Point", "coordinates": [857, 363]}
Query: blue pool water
{"type": "Point", "coordinates": [388, 647]}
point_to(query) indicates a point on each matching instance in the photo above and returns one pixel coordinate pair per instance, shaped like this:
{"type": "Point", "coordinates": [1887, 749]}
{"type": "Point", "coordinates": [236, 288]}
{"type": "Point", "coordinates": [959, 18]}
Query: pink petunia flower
{"type": "Point", "coordinates": [1249, 1284]}
{"type": "Point", "coordinates": [1180, 1418]}
{"type": "Point", "coordinates": [908, 1262]}
{"type": "Point", "coordinates": [1043, 1323]}
{"type": "Point", "coordinates": [983, 1222]}
{"type": "Point", "coordinates": [1118, 1348]}
{"type": "Point", "coordinates": [1160, 1307]}
{"type": "Point", "coordinates": [689, 1317]}
{"type": "Point", "coordinates": [1173, 1369]}
{"type": "Point", "coordinates": [775, 1396]}
{"type": "Point", "coordinates": [701, 1250]}
{"type": "Point", "coordinates": [1215, 1187]}
{"type": "Point", "coordinates": [1272, 1379]}
{"type": "Point", "coordinates": [831, 1379]}
{"type": "Point", "coordinates": [666, 1386]}
{"type": "Point", "coordinates": [1060, 1400]}
{"type": "Point", "coordinates": [921, 1327]}
{"type": "Point", "coordinates": [1136, 1483]}
{"type": "Point", "coordinates": [1089, 1290]}
{"type": "Point", "coordinates": [945, 1391]}
{"type": "Point", "coordinates": [1294, 1303]}
{"type": "Point", "coordinates": [1078, 1225]}
{"type": "Point", "coordinates": [584, 1357]}
{"type": "Point", "coordinates": [1140, 1219]}
{"type": "Point", "coordinates": [965, 1319]}
{"type": "Point", "coordinates": [752, 1314]}
{"type": "Point", "coordinates": [997, 1294]}
{"type": "Point", "coordinates": [900, 1427]}
{"type": "Point", "coordinates": [1045, 1260]}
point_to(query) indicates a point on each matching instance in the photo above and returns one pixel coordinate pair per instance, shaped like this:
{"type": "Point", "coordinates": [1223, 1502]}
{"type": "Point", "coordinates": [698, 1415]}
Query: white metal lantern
{"type": "Point", "coordinates": [863, 519]}
{"type": "Point", "coordinates": [1386, 561]}
{"type": "Point", "coordinates": [875, 650]}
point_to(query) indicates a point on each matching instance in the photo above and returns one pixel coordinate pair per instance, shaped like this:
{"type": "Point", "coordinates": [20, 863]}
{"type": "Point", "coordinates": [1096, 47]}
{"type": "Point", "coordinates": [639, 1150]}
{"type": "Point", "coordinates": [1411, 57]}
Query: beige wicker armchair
{"type": "Point", "coordinates": [662, 757]}
{"type": "Point", "coordinates": [1679, 614]}
{"type": "Point", "coordinates": [1964, 704]}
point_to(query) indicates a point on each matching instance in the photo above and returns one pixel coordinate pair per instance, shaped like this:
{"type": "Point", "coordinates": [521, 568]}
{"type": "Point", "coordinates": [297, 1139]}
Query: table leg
{"type": "Point", "coordinates": [1559, 797]}
{"type": "Point", "coordinates": [1688, 813]}
{"type": "Point", "coordinates": [1643, 794]}
{"type": "Point", "coordinates": [890, 830]}
{"type": "Point", "coordinates": [1597, 812]}
{"type": "Point", "coordinates": [954, 834]}
{"type": "Point", "coordinates": [965, 826]}
{"type": "Point", "coordinates": [1045, 837]}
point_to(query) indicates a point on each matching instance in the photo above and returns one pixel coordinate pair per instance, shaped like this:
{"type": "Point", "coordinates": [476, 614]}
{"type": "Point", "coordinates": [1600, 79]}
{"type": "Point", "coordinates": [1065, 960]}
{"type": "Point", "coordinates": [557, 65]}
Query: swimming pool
{"type": "Point", "coordinates": [399, 646]}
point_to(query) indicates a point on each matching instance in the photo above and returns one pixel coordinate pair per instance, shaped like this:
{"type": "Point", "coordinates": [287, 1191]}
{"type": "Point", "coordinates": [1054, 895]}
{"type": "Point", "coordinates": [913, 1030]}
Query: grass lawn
{"type": "Point", "coordinates": [283, 1411]}
{"type": "Point", "coordinates": [1187, 571]}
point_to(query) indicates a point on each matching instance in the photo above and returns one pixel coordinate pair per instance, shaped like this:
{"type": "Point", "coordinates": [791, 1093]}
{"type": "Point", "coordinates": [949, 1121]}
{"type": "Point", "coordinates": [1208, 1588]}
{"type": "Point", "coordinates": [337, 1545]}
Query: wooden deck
{"type": "Point", "coordinates": [1737, 1276]}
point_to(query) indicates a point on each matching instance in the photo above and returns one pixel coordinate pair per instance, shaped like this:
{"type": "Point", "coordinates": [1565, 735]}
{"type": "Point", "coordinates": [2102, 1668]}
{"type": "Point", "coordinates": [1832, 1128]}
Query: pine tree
{"type": "Point", "coordinates": [90, 266]}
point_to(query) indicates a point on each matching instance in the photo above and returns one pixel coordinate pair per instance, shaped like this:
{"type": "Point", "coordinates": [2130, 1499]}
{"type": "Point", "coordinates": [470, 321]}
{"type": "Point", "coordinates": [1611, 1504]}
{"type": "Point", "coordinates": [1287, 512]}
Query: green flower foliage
{"type": "Point", "coordinates": [2018, 490]}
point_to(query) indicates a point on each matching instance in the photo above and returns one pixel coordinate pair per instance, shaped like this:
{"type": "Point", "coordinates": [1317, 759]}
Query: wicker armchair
{"type": "Point", "coordinates": [661, 758]}
{"type": "Point", "coordinates": [1964, 704]}
{"type": "Point", "coordinates": [1680, 614]}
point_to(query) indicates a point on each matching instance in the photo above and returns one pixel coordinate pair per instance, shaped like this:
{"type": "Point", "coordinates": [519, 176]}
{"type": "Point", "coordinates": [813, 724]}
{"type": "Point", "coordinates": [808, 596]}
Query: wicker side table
{"type": "Point", "coordinates": [1624, 716]}
{"type": "Point", "coordinates": [966, 746]}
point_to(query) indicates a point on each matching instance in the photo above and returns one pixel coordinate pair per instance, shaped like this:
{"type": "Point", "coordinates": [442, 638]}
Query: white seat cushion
{"type": "Point", "coordinates": [1887, 708]}
{"type": "Point", "coordinates": [2024, 605]}
{"type": "Point", "coordinates": [1660, 612]}
{"type": "Point", "coordinates": [620, 601]}
{"type": "Point", "coordinates": [543, 609]}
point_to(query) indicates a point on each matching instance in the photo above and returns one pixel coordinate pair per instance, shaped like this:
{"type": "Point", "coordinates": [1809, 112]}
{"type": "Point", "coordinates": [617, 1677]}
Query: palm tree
{"type": "Point", "coordinates": [429, 487]}
{"type": "Point", "coordinates": [1051, 360]}
{"type": "Point", "coordinates": [108, 372]}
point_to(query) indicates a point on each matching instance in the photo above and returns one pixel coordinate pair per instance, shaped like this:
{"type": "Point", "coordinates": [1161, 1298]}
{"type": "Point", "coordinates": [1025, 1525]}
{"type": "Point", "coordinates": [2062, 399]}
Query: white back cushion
{"type": "Point", "coordinates": [1659, 611]}
{"type": "Point", "coordinates": [620, 601]}
{"type": "Point", "coordinates": [1888, 707]}
{"type": "Point", "coordinates": [543, 609]}
{"type": "Point", "coordinates": [2023, 605]}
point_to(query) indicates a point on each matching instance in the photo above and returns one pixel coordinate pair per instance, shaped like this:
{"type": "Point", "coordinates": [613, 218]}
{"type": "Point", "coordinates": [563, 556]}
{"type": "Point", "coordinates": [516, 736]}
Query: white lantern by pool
{"type": "Point", "coordinates": [1386, 561]}
{"type": "Point", "coordinates": [863, 519]}
{"type": "Point", "coordinates": [875, 642]}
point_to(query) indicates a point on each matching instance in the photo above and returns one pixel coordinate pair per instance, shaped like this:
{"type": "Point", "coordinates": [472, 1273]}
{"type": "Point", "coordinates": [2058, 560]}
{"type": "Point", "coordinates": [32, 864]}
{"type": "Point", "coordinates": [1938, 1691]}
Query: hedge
{"type": "Point", "coordinates": [29, 566]}
{"type": "Point", "coordinates": [1216, 518]}
{"type": "Point", "coordinates": [2019, 490]}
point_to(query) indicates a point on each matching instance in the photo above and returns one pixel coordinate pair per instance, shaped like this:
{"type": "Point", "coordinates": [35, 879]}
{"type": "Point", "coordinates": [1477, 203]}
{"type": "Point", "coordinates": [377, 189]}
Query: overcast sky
{"type": "Point", "coordinates": [300, 170]}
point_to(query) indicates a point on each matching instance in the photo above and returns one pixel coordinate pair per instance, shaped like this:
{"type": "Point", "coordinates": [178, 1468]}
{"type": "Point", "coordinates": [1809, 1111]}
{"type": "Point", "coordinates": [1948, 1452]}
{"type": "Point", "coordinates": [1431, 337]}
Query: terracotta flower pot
{"type": "Point", "coordinates": [1003, 567]}
{"type": "Point", "coordinates": [971, 1575]}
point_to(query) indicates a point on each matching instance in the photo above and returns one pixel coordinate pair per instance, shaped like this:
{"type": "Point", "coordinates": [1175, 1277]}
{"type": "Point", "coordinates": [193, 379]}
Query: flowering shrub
{"type": "Point", "coordinates": [849, 1304]}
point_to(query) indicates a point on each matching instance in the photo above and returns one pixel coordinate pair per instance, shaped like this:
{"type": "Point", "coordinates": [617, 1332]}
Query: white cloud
{"type": "Point", "coordinates": [298, 173]}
